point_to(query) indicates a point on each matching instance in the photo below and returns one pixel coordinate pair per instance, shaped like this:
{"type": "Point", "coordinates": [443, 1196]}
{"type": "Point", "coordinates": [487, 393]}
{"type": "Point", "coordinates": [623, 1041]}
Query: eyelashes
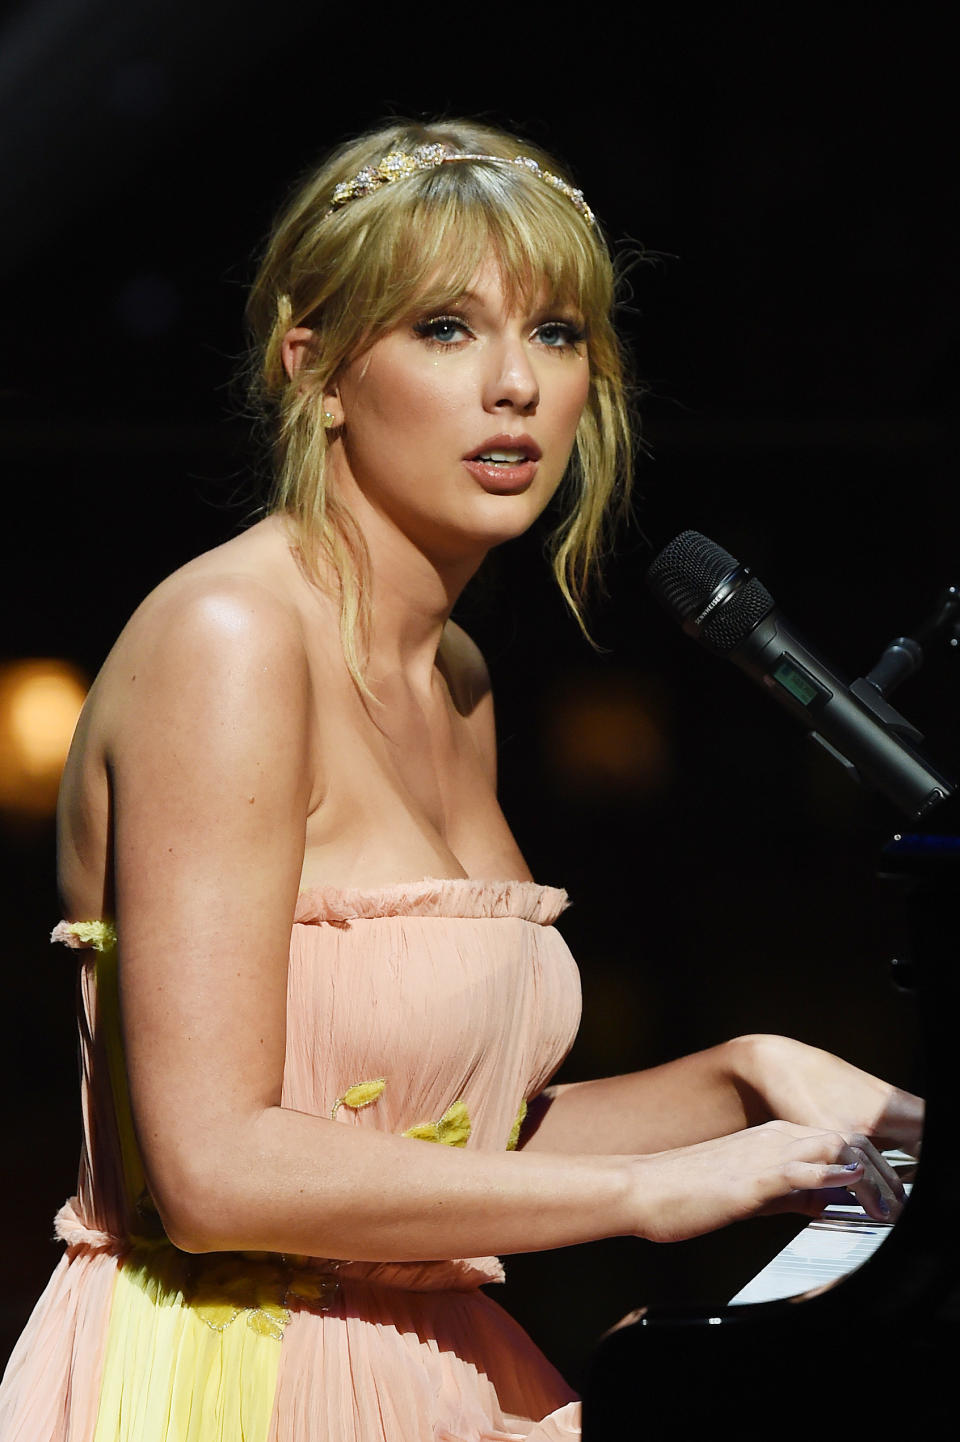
{"type": "Point", "coordinates": [570, 334]}
{"type": "Point", "coordinates": [448, 332]}
{"type": "Point", "coordinates": [435, 329]}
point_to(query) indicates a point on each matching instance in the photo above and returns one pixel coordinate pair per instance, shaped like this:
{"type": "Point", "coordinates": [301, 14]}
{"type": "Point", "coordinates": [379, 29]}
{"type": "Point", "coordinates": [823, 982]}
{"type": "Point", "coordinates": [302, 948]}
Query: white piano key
{"type": "Point", "coordinates": [837, 1242]}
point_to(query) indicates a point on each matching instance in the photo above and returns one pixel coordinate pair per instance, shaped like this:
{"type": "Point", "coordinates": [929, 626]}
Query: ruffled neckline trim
{"type": "Point", "coordinates": [452, 896]}
{"type": "Point", "coordinates": [456, 896]}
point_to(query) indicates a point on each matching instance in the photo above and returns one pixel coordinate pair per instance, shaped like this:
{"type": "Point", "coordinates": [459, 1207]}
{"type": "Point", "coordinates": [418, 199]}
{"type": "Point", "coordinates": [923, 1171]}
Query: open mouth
{"type": "Point", "coordinates": [506, 450]}
{"type": "Point", "coordinates": [501, 458]}
{"type": "Point", "coordinates": [504, 464]}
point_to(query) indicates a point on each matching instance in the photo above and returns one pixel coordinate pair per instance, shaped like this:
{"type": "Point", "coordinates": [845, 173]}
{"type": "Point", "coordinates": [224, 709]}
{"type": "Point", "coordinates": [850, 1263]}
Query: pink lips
{"type": "Point", "coordinates": [502, 477]}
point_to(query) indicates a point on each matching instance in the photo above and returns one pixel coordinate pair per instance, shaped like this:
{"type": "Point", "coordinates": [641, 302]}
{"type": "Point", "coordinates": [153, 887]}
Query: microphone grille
{"type": "Point", "coordinates": [731, 623]}
{"type": "Point", "coordinates": [687, 572]}
{"type": "Point", "coordinates": [685, 576]}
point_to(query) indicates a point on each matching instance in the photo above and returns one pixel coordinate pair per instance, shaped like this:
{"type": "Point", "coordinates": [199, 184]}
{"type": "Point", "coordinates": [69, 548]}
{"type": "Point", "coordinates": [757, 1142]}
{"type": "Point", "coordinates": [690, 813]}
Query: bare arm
{"type": "Point", "coordinates": [680, 1103]}
{"type": "Point", "coordinates": [211, 773]}
{"type": "Point", "coordinates": [211, 781]}
{"type": "Point", "coordinates": [740, 1083]}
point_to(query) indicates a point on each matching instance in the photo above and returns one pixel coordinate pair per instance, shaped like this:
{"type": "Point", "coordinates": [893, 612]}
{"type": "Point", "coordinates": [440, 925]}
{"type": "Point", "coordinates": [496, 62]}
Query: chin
{"type": "Point", "coordinates": [509, 518]}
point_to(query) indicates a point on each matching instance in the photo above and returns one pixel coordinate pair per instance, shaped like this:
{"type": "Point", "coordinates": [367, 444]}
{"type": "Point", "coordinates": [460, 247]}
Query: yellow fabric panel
{"type": "Point", "coordinates": [191, 1360]}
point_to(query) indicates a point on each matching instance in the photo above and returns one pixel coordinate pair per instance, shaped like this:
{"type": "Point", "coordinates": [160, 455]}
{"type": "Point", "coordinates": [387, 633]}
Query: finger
{"type": "Point", "coordinates": [888, 1175]}
{"type": "Point", "coordinates": [817, 1184]}
{"type": "Point", "coordinates": [879, 1191]}
{"type": "Point", "coordinates": [870, 1196]}
{"type": "Point", "coordinates": [824, 1176]}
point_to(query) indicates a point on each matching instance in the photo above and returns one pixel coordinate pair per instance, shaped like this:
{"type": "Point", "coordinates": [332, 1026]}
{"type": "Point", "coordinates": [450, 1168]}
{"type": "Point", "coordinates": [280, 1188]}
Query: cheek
{"type": "Point", "coordinates": [572, 402]}
{"type": "Point", "coordinates": [405, 401]}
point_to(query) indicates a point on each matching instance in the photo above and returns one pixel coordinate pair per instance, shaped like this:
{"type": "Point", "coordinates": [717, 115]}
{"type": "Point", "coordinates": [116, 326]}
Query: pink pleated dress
{"type": "Point", "coordinates": [433, 1009]}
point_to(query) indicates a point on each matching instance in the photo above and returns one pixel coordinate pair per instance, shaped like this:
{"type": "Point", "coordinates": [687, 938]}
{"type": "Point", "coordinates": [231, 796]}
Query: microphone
{"type": "Point", "coordinates": [724, 606]}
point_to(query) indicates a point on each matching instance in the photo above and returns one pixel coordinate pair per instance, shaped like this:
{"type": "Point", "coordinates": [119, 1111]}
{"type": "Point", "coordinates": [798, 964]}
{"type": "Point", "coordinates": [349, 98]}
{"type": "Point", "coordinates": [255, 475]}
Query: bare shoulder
{"type": "Point", "coordinates": [198, 619]}
{"type": "Point", "coordinates": [210, 679]}
{"type": "Point", "coordinates": [464, 668]}
{"type": "Point", "coordinates": [238, 589]}
{"type": "Point", "coordinates": [206, 689]}
{"type": "Point", "coordinates": [225, 622]}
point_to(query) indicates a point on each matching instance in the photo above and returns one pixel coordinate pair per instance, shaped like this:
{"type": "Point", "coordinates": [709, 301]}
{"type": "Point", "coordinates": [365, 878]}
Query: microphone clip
{"type": "Point", "coordinates": [904, 655]}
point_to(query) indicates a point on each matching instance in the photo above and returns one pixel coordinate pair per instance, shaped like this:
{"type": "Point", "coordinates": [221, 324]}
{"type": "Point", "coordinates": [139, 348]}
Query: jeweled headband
{"type": "Point", "coordinates": [400, 163]}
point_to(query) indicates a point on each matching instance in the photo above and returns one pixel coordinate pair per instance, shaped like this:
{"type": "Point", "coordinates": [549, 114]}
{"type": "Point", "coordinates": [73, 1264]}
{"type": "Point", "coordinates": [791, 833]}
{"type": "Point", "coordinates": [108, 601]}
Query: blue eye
{"type": "Point", "coordinates": [560, 334]}
{"type": "Point", "coordinates": [444, 329]}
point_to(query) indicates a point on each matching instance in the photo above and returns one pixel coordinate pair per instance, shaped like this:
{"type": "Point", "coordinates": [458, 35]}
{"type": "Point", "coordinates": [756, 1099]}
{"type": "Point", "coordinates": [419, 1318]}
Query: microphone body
{"type": "Point", "coordinates": [864, 733]}
{"type": "Point", "coordinates": [722, 605]}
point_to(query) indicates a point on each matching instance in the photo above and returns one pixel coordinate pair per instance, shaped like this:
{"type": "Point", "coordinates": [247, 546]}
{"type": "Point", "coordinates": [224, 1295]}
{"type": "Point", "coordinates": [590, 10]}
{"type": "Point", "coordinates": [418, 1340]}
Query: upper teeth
{"type": "Point", "coordinates": [503, 456]}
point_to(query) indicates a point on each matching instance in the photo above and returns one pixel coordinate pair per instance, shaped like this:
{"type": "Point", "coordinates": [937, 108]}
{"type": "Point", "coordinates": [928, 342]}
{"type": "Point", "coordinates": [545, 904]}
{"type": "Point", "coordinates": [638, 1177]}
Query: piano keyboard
{"type": "Point", "coordinates": [836, 1243]}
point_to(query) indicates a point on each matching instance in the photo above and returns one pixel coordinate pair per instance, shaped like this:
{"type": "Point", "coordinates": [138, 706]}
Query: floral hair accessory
{"type": "Point", "coordinates": [400, 163]}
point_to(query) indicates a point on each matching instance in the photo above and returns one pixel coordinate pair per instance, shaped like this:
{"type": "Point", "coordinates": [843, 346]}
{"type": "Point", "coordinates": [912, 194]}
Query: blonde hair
{"type": "Point", "coordinates": [351, 274]}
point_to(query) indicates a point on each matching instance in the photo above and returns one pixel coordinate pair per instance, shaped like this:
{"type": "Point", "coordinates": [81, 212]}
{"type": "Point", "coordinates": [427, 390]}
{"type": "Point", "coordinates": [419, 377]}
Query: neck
{"type": "Point", "coordinates": [412, 597]}
{"type": "Point", "coordinates": [414, 586]}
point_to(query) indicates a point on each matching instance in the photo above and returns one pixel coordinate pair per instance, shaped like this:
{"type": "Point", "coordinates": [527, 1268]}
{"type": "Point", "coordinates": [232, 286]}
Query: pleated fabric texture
{"type": "Point", "coordinates": [435, 1009]}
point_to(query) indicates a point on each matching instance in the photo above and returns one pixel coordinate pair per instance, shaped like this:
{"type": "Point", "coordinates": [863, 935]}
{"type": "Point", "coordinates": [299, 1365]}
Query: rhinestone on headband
{"type": "Point", "coordinates": [400, 163]}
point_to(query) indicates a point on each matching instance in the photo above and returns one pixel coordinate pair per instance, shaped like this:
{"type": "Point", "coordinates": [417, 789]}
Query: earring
{"type": "Point", "coordinates": [329, 420]}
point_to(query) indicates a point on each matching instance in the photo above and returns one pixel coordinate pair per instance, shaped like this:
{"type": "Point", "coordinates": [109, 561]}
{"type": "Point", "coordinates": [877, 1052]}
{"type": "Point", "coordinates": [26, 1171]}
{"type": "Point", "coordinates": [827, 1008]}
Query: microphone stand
{"type": "Point", "coordinates": [901, 659]}
{"type": "Point", "coordinates": [904, 655]}
{"type": "Point", "coordinates": [886, 1336]}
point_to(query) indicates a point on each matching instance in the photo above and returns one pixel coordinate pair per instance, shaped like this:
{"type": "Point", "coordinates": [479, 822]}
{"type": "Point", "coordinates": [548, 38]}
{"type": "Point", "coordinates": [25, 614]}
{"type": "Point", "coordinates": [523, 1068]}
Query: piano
{"type": "Point", "coordinates": [875, 1342]}
{"type": "Point", "coordinates": [828, 1249]}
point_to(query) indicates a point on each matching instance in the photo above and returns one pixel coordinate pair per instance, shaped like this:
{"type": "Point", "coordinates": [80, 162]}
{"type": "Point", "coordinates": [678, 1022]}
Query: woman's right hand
{"type": "Point", "coordinates": [776, 1167]}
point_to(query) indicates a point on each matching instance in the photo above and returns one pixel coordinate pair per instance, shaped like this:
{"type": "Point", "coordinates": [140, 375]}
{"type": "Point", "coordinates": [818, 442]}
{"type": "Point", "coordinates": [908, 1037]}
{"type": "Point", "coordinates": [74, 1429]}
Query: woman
{"type": "Point", "coordinates": [289, 735]}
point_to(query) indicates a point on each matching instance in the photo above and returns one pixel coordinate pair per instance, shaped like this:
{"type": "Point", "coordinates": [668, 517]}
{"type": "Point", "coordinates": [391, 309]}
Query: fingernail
{"type": "Point", "coordinates": [884, 1206]}
{"type": "Point", "coordinates": [851, 1167]}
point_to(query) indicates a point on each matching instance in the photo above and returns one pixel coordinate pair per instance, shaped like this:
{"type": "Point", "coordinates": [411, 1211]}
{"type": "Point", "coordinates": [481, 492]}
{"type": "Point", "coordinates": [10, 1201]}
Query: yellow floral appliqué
{"type": "Point", "coordinates": [453, 1128]}
{"type": "Point", "coordinates": [226, 1289]}
{"type": "Point", "coordinates": [98, 935]}
{"type": "Point", "coordinates": [256, 1288]}
{"type": "Point", "coordinates": [518, 1122]}
{"type": "Point", "coordinates": [359, 1096]}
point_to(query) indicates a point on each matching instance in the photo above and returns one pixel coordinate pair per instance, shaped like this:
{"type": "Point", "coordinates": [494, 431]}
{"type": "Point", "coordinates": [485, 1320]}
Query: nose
{"type": "Point", "coordinates": [512, 382]}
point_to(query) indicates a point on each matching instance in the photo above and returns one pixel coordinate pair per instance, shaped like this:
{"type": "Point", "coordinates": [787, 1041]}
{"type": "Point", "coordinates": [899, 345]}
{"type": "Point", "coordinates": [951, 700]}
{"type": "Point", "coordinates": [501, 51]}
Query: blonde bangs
{"type": "Point", "coordinates": [425, 241]}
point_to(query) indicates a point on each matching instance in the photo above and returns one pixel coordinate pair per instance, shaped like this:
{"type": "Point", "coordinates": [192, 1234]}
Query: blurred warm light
{"type": "Point", "coordinates": [40, 701]}
{"type": "Point", "coordinates": [610, 737]}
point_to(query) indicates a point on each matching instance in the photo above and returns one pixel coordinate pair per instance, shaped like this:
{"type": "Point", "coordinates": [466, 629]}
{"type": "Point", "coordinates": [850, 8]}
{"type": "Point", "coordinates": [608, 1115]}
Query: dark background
{"type": "Point", "coordinates": [788, 169]}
